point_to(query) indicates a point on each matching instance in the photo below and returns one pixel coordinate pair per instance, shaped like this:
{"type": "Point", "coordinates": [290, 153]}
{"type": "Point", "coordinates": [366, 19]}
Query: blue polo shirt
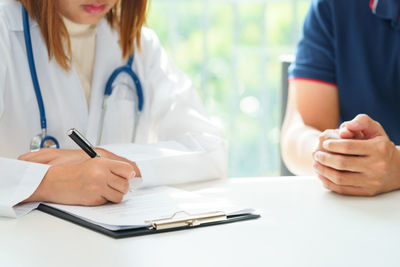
{"type": "Point", "coordinates": [355, 45]}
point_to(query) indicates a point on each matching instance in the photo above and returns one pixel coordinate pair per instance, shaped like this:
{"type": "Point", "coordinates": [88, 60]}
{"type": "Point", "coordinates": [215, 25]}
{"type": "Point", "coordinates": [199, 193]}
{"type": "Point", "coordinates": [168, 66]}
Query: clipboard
{"type": "Point", "coordinates": [157, 225]}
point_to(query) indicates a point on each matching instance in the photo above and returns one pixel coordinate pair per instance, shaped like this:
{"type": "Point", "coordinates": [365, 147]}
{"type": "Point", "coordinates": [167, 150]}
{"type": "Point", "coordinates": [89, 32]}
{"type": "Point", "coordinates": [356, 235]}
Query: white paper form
{"type": "Point", "coordinates": [148, 204]}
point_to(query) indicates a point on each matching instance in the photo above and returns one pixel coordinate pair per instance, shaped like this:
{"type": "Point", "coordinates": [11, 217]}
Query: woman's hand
{"type": "Point", "coordinates": [53, 156]}
{"type": "Point", "coordinates": [89, 183]}
{"type": "Point", "coordinates": [364, 167]}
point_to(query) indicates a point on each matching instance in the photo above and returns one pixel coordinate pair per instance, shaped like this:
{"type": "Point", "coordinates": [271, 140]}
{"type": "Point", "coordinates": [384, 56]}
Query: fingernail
{"type": "Point", "coordinates": [133, 174]}
{"type": "Point", "coordinates": [317, 156]}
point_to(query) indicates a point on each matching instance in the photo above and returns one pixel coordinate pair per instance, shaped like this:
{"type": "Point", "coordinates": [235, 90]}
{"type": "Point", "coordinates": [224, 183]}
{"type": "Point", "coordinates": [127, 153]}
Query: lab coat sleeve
{"type": "Point", "coordinates": [18, 181]}
{"type": "Point", "coordinates": [188, 145]}
{"type": "Point", "coordinates": [4, 46]}
{"type": "Point", "coordinates": [2, 87]}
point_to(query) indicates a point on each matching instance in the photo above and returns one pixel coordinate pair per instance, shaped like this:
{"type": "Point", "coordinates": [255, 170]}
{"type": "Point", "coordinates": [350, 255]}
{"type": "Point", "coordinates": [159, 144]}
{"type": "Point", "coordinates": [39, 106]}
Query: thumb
{"type": "Point", "coordinates": [363, 127]}
{"type": "Point", "coordinates": [345, 133]}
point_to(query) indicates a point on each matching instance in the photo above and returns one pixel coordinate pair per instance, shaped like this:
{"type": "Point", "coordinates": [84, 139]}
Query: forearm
{"type": "Point", "coordinates": [297, 145]}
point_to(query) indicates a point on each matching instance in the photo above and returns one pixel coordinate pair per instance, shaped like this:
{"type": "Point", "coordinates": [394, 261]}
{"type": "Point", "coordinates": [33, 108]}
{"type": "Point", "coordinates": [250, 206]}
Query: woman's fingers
{"type": "Point", "coordinates": [27, 156]}
{"type": "Point", "coordinates": [122, 169]}
{"type": "Point", "coordinates": [121, 173]}
{"type": "Point", "coordinates": [53, 156]}
{"type": "Point", "coordinates": [90, 182]}
{"type": "Point", "coordinates": [113, 195]}
{"type": "Point", "coordinates": [41, 156]}
{"type": "Point", "coordinates": [118, 183]}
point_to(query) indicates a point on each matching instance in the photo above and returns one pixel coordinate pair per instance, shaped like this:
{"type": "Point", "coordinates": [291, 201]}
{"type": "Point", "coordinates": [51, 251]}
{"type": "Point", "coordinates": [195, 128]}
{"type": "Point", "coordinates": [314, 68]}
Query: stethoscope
{"type": "Point", "coordinates": [43, 140]}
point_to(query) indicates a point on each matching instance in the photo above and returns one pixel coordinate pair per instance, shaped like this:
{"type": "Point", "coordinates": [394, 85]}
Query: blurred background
{"type": "Point", "coordinates": [231, 50]}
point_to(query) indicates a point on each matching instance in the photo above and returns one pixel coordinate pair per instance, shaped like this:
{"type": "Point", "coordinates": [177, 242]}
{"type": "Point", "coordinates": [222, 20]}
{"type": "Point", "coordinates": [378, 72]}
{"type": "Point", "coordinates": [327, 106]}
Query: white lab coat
{"type": "Point", "coordinates": [174, 143]}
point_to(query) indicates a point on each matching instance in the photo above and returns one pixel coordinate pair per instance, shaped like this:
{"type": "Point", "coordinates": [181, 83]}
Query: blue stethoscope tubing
{"type": "Point", "coordinates": [35, 81]}
{"type": "Point", "coordinates": [126, 69]}
{"type": "Point", "coordinates": [108, 90]}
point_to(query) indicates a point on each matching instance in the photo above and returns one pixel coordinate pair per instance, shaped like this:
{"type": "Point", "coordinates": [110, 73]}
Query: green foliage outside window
{"type": "Point", "coordinates": [231, 50]}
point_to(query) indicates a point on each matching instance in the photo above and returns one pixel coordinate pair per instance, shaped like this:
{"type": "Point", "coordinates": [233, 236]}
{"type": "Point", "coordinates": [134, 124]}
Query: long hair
{"type": "Point", "coordinates": [127, 17]}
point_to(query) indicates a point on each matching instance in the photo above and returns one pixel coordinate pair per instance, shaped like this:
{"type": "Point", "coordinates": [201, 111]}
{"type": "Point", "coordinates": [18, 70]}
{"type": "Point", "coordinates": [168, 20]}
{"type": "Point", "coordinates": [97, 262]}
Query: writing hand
{"type": "Point", "coordinates": [53, 156]}
{"type": "Point", "coordinates": [89, 183]}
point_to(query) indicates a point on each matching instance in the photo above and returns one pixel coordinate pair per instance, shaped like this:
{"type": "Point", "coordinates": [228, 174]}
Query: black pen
{"type": "Point", "coordinates": [82, 142]}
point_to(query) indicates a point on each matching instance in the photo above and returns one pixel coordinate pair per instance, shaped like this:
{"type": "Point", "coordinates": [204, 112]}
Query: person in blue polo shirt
{"type": "Point", "coordinates": [343, 115]}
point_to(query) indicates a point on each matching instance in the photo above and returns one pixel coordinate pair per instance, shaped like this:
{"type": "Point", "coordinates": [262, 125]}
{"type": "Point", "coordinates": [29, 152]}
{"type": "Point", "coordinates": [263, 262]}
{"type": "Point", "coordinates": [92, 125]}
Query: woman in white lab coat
{"type": "Point", "coordinates": [75, 51]}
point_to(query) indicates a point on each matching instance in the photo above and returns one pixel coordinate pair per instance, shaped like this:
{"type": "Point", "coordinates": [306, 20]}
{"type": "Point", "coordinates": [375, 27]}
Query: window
{"type": "Point", "coordinates": [231, 50]}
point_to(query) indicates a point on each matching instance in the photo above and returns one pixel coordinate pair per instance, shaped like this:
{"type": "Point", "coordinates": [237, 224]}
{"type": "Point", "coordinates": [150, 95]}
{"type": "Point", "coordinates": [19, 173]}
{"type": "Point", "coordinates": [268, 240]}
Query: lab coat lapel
{"type": "Point", "coordinates": [108, 58]}
{"type": "Point", "coordinates": [62, 93]}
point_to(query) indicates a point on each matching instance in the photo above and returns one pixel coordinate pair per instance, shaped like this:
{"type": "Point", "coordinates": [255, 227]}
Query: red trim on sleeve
{"type": "Point", "coordinates": [371, 5]}
{"type": "Point", "coordinates": [311, 80]}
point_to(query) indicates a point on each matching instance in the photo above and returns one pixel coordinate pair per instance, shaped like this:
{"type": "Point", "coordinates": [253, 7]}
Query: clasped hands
{"type": "Point", "coordinates": [357, 159]}
{"type": "Point", "coordinates": [75, 179]}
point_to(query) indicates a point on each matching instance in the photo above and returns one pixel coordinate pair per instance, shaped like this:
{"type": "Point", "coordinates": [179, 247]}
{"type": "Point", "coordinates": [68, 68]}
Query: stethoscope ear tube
{"type": "Point", "coordinates": [128, 70]}
{"type": "Point", "coordinates": [31, 62]}
{"type": "Point", "coordinates": [42, 140]}
{"type": "Point", "coordinates": [109, 89]}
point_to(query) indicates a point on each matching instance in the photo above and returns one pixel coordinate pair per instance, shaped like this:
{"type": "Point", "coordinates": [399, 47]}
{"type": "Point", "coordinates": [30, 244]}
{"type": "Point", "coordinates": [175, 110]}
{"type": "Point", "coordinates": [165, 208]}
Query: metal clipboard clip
{"type": "Point", "coordinates": [190, 220]}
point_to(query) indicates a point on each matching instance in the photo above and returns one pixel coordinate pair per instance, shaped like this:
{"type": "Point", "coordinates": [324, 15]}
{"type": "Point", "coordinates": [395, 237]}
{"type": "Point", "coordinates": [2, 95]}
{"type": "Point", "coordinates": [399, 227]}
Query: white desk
{"type": "Point", "coordinates": [302, 225]}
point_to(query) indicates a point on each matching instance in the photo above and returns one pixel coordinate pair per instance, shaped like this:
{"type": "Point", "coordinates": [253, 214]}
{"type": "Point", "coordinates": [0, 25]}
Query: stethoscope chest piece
{"type": "Point", "coordinates": [43, 141]}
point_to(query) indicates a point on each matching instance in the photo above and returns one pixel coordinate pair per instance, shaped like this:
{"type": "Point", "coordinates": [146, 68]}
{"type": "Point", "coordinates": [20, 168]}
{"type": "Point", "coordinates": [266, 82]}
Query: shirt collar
{"type": "Point", "coordinates": [79, 30]}
{"type": "Point", "coordinates": [386, 9]}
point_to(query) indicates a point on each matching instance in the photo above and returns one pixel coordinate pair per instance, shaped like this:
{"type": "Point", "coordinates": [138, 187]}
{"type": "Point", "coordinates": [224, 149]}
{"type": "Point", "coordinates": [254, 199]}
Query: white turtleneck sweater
{"type": "Point", "coordinates": [83, 47]}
